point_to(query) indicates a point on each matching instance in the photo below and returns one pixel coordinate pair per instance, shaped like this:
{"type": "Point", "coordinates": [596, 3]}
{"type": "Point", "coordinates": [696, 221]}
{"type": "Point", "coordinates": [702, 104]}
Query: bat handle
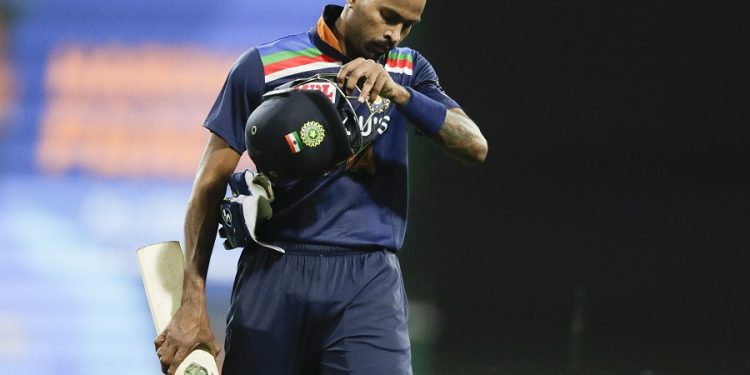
{"type": "Point", "coordinates": [198, 362]}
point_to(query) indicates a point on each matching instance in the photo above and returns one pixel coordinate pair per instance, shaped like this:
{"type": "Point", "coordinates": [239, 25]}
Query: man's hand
{"type": "Point", "coordinates": [372, 79]}
{"type": "Point", "coordinates": [188, 330]}
{"type": "Point", "coordinates": [459, 136]}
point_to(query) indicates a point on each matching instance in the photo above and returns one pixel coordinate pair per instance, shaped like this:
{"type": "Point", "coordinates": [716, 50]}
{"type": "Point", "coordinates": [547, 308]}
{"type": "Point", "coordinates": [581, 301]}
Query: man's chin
{"type": "Point", "coordinates": [375, 53]}
{"type": "Point", "coordinates": [368, 53]}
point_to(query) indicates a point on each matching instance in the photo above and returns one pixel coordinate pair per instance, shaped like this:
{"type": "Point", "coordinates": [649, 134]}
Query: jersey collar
{"type": "Point", "coordinates": [323, 36]}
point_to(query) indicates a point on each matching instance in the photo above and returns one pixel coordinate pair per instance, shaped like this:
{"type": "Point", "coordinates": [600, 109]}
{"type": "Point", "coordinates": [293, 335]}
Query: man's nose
{"type": "Point", "coordinates": [393, 34]}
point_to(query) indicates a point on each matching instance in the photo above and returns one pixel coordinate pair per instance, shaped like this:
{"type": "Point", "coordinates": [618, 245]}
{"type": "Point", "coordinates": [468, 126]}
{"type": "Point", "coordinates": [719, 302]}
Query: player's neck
{"type": "Point", "coordinates": [338, 30]}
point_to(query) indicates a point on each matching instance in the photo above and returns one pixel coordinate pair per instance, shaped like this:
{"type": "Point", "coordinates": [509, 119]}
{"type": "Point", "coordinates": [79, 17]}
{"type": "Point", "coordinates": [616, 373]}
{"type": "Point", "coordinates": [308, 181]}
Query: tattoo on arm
{"type": "Point", "coordinates": [460, 137]}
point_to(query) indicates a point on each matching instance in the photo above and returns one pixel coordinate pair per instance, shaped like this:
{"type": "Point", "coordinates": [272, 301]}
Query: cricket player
{"type": "Point", "coordinates": [334, 302]}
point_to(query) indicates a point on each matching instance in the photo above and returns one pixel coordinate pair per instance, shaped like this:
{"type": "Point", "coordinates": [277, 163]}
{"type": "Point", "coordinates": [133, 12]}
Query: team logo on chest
{"type": "Point", "coordinates": [379, 105]}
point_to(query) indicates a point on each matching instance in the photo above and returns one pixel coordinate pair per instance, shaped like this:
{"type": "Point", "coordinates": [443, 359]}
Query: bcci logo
{"type": "Point", "coordinates": [312, 133]}
{"type": "Point", "coordinates": [379, 104]}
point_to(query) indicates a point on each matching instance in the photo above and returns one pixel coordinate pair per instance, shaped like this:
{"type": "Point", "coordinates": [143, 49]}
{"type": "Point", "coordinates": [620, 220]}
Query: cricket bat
{"type": "Point", "coordinates": [162, 266]}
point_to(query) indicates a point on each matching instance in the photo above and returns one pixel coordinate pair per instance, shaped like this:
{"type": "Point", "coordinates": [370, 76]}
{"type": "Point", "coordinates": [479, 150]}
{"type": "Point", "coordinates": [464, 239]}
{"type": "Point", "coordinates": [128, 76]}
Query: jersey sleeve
{"type": "Point", "coordinates": [241, 94]}
{"type": "Point", "coordinates": [426, 81]}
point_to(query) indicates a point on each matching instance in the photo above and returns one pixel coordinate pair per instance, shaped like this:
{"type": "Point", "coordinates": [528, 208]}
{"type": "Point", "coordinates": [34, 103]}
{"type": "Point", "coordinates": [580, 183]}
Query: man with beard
{"type": "Point", "coordinates": [334, 302]}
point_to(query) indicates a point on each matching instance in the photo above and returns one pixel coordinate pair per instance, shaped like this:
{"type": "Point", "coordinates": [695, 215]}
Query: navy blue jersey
{"type": "Point", "coordinates": [366, 204]}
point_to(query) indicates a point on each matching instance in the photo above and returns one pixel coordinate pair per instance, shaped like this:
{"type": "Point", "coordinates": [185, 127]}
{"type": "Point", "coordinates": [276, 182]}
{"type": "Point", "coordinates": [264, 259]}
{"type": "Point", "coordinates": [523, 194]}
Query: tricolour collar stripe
{"type": "Point", "coordinates": [283, 55]}
{"type": "Point", "coordinates": [295, 61]}
{"type": "Point", "coordinates": [301, 69]}
{"type": "Point", "coordinates": [395, 55]}
{"type": "Point", "coordinates": [399, 70]}
{"type": "Point", "coordinates": [399, 62]}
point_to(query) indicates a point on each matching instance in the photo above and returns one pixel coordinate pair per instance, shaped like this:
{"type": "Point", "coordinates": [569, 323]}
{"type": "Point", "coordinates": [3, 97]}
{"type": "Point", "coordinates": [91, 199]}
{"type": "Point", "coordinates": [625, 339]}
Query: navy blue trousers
{"type": "Point", "coordinates": [317, 310]}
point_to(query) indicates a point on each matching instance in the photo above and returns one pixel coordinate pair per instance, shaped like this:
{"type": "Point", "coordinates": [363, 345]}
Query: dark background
{"type": "Point", "coordinates": [615, 186]}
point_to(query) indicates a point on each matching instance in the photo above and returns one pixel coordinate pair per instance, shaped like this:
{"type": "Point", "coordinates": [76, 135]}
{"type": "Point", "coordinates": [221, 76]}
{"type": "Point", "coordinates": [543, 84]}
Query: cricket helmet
{"type": "Point", "coordinates": [305, 128]}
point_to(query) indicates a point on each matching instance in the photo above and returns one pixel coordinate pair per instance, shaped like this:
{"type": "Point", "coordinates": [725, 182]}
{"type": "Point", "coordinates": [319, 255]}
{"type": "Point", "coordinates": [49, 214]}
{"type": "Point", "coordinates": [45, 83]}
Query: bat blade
{"type": "Point", "coordinates": [162, 266]}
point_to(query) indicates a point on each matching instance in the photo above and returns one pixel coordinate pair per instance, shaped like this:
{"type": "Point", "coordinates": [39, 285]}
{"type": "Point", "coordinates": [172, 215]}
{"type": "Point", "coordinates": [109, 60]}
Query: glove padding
{"type": "Point", "coordinates": [249, 205]}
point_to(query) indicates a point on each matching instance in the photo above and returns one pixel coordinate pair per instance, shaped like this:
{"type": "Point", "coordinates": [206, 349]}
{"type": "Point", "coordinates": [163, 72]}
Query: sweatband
{"type": "Point", "coordinates": [424, 112]}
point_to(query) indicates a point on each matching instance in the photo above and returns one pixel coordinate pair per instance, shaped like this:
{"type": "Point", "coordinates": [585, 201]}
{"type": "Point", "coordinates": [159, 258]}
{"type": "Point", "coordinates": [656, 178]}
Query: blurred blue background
{"type": "Point", "coordinates": [100, 134]}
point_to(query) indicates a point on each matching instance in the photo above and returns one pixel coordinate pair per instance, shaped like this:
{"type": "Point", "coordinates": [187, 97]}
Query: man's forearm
{"type": "Point", "coordinates": [201, 223]}
{"type": "Point", "coordinates": [460, 137]}
{"type": "Point", "coordinates": [190, 324]}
